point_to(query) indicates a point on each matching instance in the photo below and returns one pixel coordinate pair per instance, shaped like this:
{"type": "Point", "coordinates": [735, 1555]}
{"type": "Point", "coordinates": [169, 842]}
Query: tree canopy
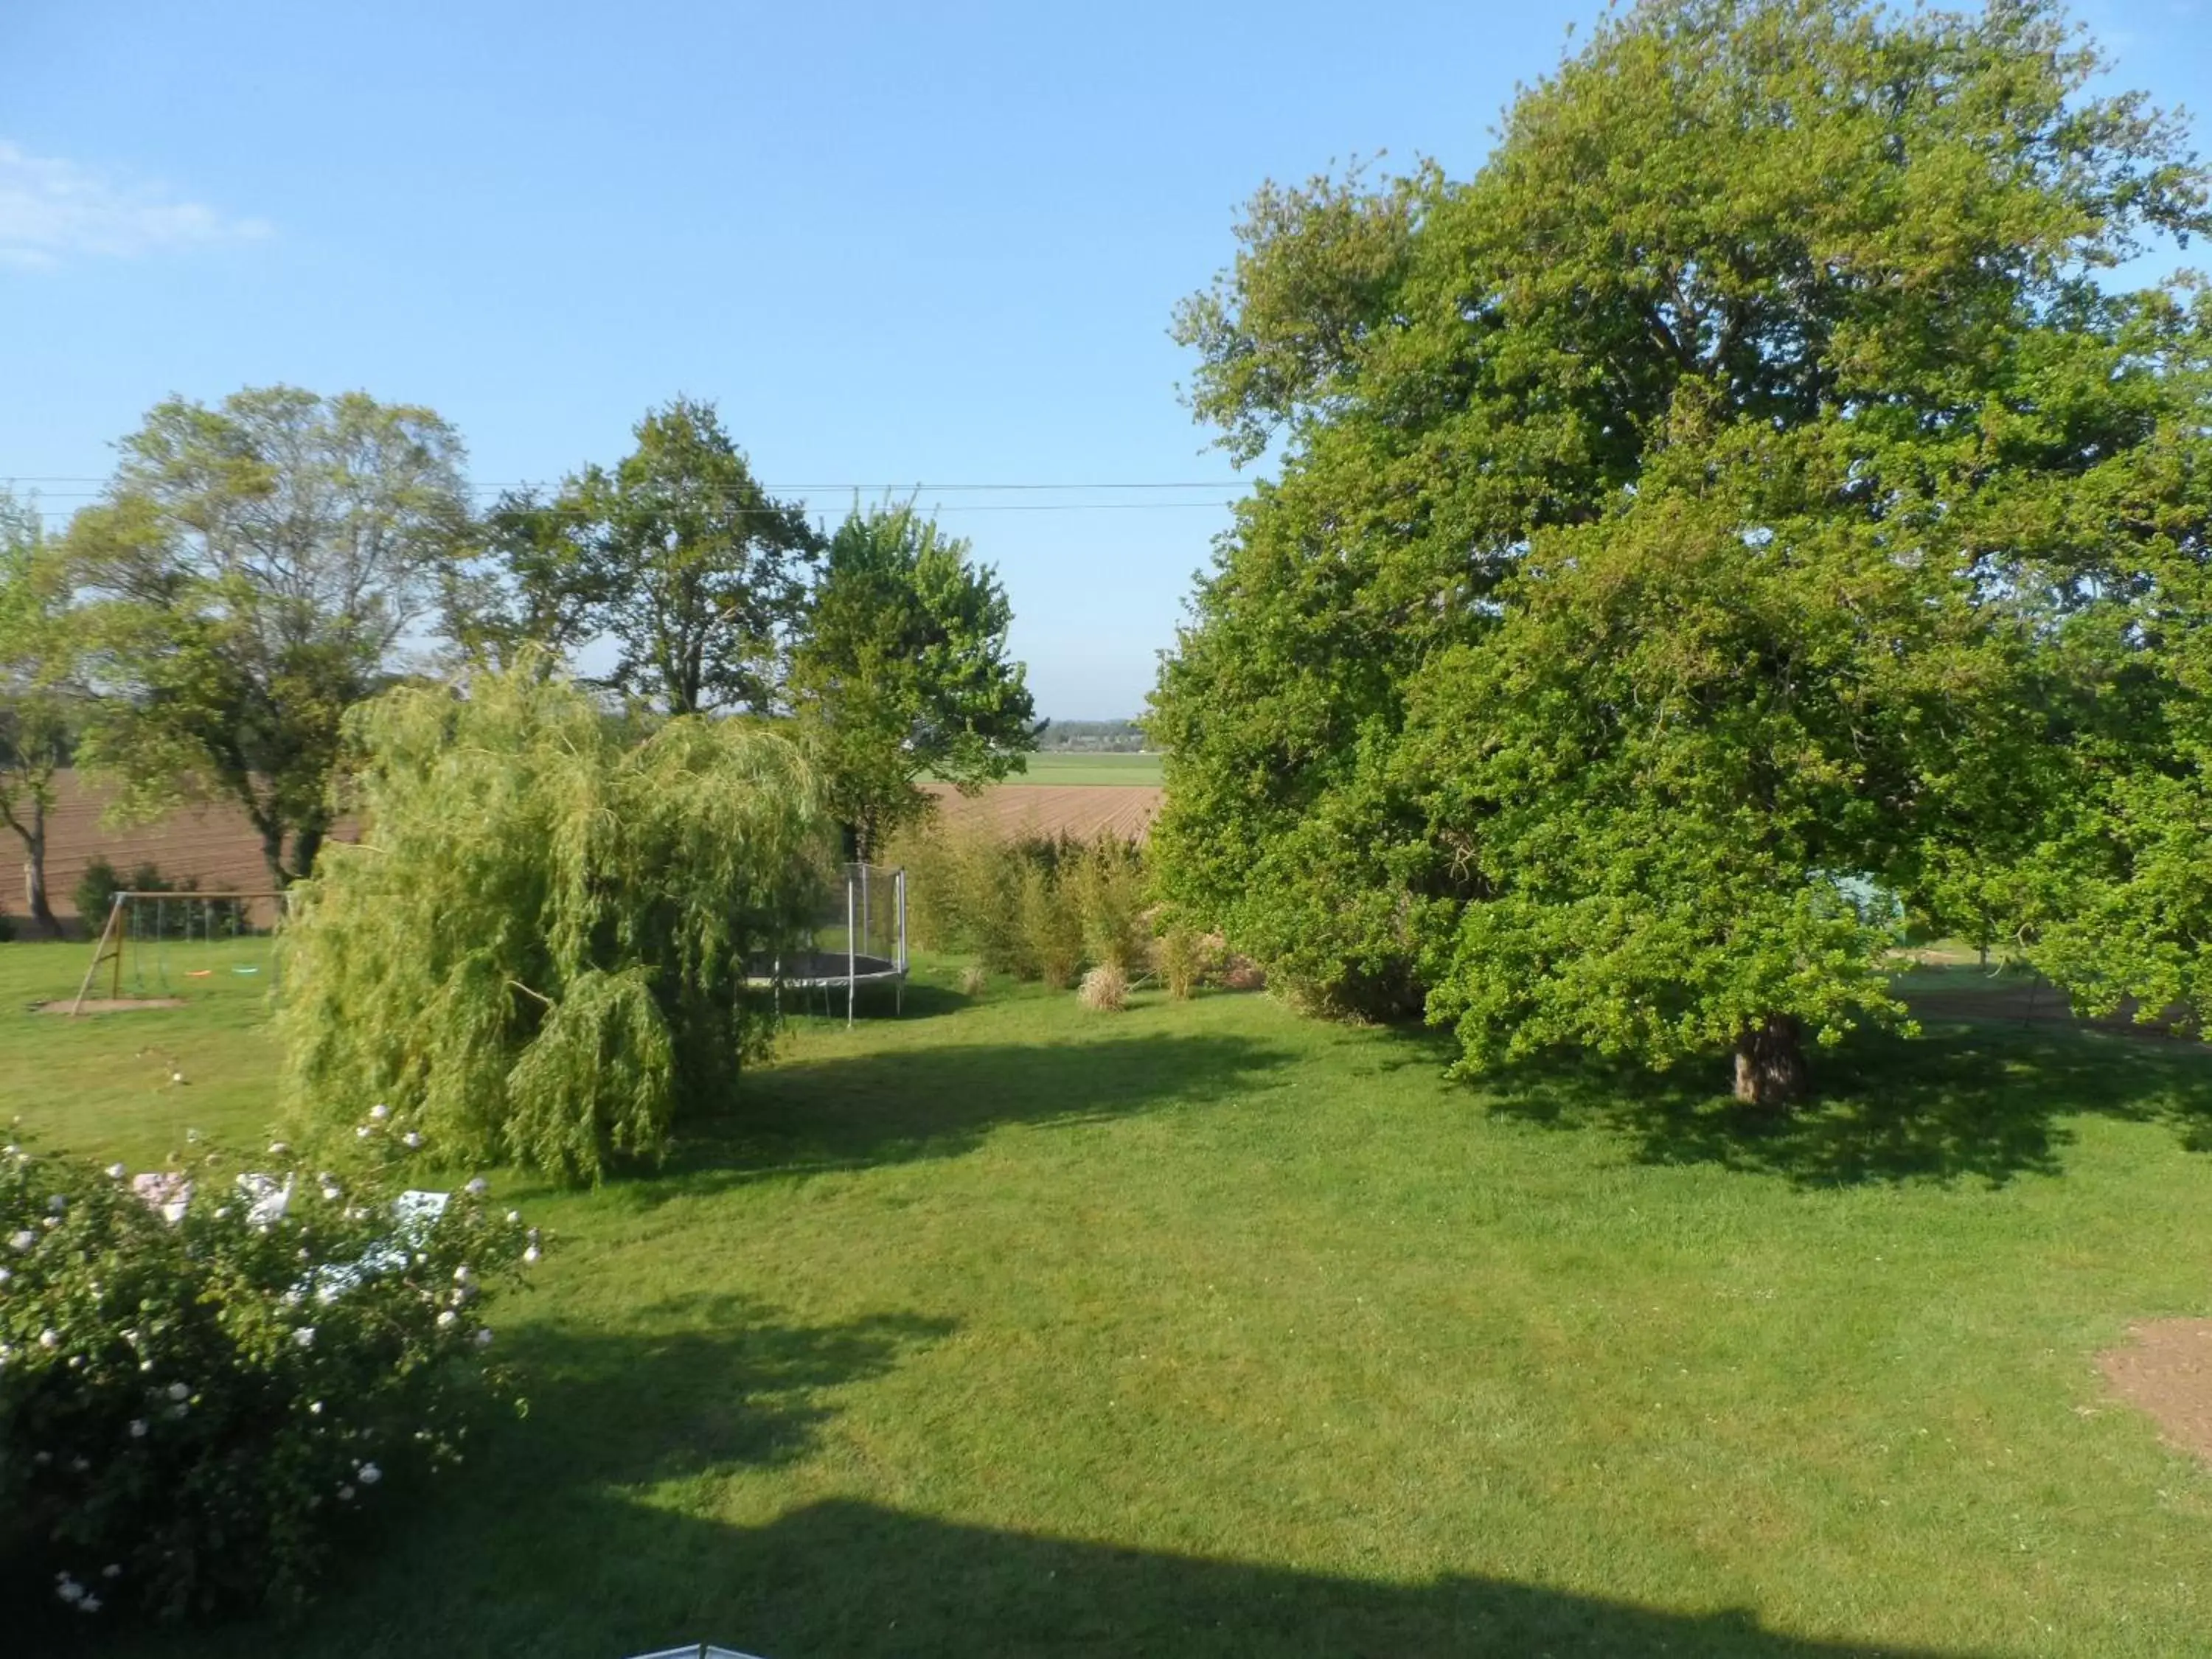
{"type": "Point", "coordinates": [39, 712]}
{"type": "Point", "coordinates": [537, 951]}
{"type": "Point", "coordinates": [900, 670]}
{"type": "Point", "coordinates": [675, 554]}
{"type": "Point", "coordinates": [1737, 498]}
{"type": "Point", "coordinates": [252, 575]}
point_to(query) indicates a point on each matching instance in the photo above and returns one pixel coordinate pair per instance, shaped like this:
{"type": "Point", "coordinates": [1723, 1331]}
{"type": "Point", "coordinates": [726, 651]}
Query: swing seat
{"type": "Point", "coordinates": [241, 970]}
{"type": "Point", "coordinates": [197, 973]}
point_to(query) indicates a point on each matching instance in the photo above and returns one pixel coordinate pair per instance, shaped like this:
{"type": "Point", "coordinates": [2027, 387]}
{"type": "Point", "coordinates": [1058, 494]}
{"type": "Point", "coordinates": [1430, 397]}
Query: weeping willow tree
{"type": "Point", "coordinates": [536, 952]}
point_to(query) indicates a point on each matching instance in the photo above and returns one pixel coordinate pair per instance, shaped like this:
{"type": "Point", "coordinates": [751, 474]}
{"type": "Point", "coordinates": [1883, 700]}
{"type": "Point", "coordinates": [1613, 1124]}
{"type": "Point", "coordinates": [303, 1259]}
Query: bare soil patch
{"type": "Point", "coordinates": [107, 1005]}
{"type": "Point", "coordinates": [2166, 1370]}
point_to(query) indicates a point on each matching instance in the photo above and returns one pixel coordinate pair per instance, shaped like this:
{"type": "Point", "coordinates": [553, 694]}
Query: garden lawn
{"type": "Point", "coordinates": [1009, 1329]}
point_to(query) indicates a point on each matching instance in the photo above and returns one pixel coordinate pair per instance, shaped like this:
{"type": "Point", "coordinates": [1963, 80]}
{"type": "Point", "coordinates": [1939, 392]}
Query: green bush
{"type": "Point", "coordinates": [540, 941]}
{"type": "Point", "coordinates": [1111, 893]}
{"type": "Point", "coordinates": [1186, 959]}
{"type": "Point", "coordinates": [96, 891]}
{"type": "Point", "coordinates": [1051, 947]}
{"type": "Point", "coordinates": [191, 1409]}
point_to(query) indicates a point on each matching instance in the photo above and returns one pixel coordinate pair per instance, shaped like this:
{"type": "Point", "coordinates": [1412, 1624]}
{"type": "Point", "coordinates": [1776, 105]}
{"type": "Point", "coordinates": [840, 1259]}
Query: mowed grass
{"type": "Point", "coordinates": [1087, 769]}
{"type": "Point", "coordinates": [1008, 1329]}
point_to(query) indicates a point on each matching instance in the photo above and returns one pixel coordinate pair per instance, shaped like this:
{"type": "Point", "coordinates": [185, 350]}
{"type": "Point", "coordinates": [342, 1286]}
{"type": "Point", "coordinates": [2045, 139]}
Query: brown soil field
{"type": "Point", "coordinates": [213, 845]}
{"type": "Point", "coordinates": [216, 847]}
{"type": "Point", "coordinates": [1080, 810]}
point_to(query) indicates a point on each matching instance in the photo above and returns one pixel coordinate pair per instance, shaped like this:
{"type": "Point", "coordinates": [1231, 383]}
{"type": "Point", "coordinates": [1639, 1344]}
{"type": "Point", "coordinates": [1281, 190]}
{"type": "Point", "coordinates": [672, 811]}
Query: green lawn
{"type": "Point", "coordinates": [1007, 1329]}
{"type": "Point", "coordinates": [1091, 768]}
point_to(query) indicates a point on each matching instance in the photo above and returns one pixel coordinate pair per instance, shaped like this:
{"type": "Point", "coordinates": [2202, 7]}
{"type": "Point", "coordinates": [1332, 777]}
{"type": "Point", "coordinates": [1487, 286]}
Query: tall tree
{"type": "Point", "coordinates": [252, 575]}
{"type": "Point", "coordinates": [38, 710]}
{"type": "Point", "coordinates": [676, 554]}
{"type": "Point", "coordinates": [1756, 301]}
{"type": "Point", "coordinates": [900, 670]}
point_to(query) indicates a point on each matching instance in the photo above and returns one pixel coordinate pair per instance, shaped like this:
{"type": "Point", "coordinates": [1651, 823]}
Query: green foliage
{"type": "Point", "coordinates": [192, 1411]}
{"type": "Point", "coordinates": [1186, 959]}
{"type": "Point", "coordinates": [40, 709]}
{"type": "Point", "coordinates": [1739, 485]}
{"type": "Point", "coordinates": [96, 891]}
{"type": "Point", "coordinates": [249, 578]}
{"type": "Point", "coordinates": [1049, 945]}
{"type": "Point", "coordinates": [539, 944]}
{"type": "Point", "coordinates": [676, 554]}
{"type": "Point", "coordinates": [1111, 893]}
{"type": "Point", "coordinates": [900, 670]}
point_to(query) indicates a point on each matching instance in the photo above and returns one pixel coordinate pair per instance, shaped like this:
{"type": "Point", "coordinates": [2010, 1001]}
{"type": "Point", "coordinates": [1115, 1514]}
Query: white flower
{"type": "Point", "coordinates": [333, 1194]}
{"type": "Point", "coordinates": [305, 1336]}
{"type": "Point", "coordinates": [179, 1077]}
{"type": "Point", "coordinates": [484, 1337]}
{"type": "Point", "coordinates": [137, 1428]}
{"type": "Point", "coordinates": [410, 1141]}
{"type": "Point", "coordinates": [23, 1240]}
{"type": "Point", "coordinates": [50, 1338]}
{"type": "Point", "coordinates": [362, 1132]}
{"type": "Point", "coordinates": [112, 1569]}
{"type": "Point", "coordinates": [6, 1274]}
{"type": "Point", "coordinates": [314, 1408]}
{"type": "Point", "coordinates": [280, 1147]}
{"type": "Point", "coordinates": [532, 1253]}
{"type": "Point", "coordinates": [370, 1474]}
{"type": "Point", "coordinates": [462, 1275]}
{"type": "Point", "coordinates": [90, 1604]}
{"type": "Point", "coordinates": [345, 1494]}
{"type": "Point", "coordinates": [515, 1218]}
{"type": "Point", "coordinates": [116, 1172]}
{"type": "Point", "coordinates": [223, 1214]}
{"type": "Point", "coordinates": [380, 1113]}
{"type": "Point", "coordinates": [70, 1591]}
{"type": "Point", "coordinates": [477, 1187]}
{"type": "Point", "coordinates": [447, 1317]}
{"type": "Point", "coordinates": [181, 1391]}
{"type": "Point", "coordinates": [192, 1136]}
{"type": "Point", "coordinates": [57, 1204]}
{"type": "Point", "coordinates": [130, 1335]}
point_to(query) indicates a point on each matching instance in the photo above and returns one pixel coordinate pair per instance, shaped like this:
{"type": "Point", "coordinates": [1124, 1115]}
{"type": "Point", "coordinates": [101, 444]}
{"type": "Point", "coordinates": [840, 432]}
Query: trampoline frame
{"type": "Point", "coordinates": [879, 970]}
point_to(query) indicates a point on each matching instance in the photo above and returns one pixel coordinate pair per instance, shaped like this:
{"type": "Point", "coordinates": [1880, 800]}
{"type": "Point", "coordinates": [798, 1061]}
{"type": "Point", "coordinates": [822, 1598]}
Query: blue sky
{"type": "Point", "coordinates": [910, 245]}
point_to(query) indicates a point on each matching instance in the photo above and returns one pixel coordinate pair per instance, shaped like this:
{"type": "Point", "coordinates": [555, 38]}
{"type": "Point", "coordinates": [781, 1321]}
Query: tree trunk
{"type": "Point", "coordinates": [34, 873]}
{"type": "Point", "coordinates": [1769, 1064]}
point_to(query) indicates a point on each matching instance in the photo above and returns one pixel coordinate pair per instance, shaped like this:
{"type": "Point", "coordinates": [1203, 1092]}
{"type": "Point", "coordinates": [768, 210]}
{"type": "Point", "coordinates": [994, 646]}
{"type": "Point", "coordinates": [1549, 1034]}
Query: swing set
{"type": "Point", "coordinates": [140, 925]}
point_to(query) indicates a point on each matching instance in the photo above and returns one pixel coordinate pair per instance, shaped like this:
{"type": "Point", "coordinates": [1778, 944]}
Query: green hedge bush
{"type": "Point", "coordinates": [193, 1408]}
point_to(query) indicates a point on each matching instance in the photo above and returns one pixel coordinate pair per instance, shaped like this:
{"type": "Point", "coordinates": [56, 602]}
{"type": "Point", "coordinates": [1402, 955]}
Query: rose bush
{"type": "Point", "coordinates": [194, 1398]}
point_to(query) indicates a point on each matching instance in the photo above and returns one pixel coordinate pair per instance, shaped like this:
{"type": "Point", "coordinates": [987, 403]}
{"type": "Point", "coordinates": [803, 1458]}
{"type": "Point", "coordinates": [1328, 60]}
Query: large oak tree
{"type": "Point", "coordinates": [1688, 526]}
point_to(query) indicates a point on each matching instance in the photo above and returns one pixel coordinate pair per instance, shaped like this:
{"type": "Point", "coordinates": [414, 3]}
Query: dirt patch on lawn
{"type": "Point", "coordinates": [2166, 1371]}
{"type": "Point", "coordinates": [107, 1005]}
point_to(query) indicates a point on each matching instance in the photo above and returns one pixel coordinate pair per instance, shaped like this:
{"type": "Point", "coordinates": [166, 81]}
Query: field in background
{"type": "Point", "coordinates": [1005, 1328]}
{"type": "Point", "coordinates": [1139, 770]}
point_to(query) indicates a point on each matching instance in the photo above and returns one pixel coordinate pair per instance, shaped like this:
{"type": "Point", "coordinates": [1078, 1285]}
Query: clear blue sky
{"type": "Point", "coordinates": [932, 245]}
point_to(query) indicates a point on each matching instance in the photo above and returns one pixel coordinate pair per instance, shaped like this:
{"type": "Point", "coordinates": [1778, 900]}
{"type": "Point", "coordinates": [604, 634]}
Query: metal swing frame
{"type": "Point", "coordinates": [109, 946]}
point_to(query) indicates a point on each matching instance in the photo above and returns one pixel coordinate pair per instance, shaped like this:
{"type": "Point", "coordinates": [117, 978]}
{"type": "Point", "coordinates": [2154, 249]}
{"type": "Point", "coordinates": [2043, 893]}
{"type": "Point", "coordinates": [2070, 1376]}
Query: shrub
{"type": "Point", "coordinates": [1108, 878]}
{"type": "Point", "coordinates": [96, 891]}
{"type": "Point", "coordinates": [975, 979]}
{"type": "Point", "coordinates": [1051, 940]}
{"type": "Point", "coordinates": [191, 1409]}
{"type": "Point", "coordinates": [539, 945]}
{"type": "Point", "coordinates": [1105, 989]}
{"type": "Point", "coordinates": [7, 928]}
{"type": "Point", "coordinates": [1185, 959]}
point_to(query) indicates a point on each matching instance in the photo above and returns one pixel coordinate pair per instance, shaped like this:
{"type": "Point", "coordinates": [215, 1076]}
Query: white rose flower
{"type": "Point", "coordinates": [370, 1474]}
{"type": "Point", "coordinates": [380, 1112]}
{"type": "Point", "coordinates": [280, 1147]}
{"type": "Point", "coordinates": [484, 1337]}
{"type": "Point", "coordinates": [345, 1494]}
{"type": "Point", "coordinates": [532, 1253]}
{"type": "Point", "coordinates": [90, 1604]}
{"type": "Point", "coordinates": [112, 1569]}
{"type": "Point", "coordinates": [137, 1428]}
{"type": "Point", "coordinates": [116, 1172]}
{"type": "Point", "coordinates": [410, 1141]}
{"type": "Point", "coordinates": [462, 1275]}
{"type": "Point", "coordinates": [50, 1338]}
{"type": "Point", "coordinates": [447, 1318]}
{"type": "Point", "coordinates": [305, 1336]}
{"type": "Point", "coordinates": [180, 1391]}
{"type": "Point", "coordinates": [23, 1240]}
{"type": "Point", "coordinates": [477, 1187]}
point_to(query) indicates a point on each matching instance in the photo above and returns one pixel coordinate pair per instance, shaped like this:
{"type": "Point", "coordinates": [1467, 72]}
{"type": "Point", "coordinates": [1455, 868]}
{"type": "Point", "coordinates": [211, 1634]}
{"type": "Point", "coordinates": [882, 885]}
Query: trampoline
{"type": "Point", "coordinates": [857, 938]}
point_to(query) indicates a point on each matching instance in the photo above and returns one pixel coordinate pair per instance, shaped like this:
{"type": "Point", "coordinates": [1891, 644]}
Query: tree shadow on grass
{"type": "Point", "coordinates": [852, 1111]}
{"type": "Point", "coordinates": [1983, 1101]}
{"type": "Point", "coordinates": [613, 1521]}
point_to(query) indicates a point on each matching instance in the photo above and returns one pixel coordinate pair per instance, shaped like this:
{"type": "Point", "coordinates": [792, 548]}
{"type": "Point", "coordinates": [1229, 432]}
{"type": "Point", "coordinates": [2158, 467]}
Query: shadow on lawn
{"type": "Point", "coordinates": [567, 1539]}
{"type": "Point", "coordinates": [850, 1111]}
{"type": "Point", "coordinates": [1982, 1101]}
